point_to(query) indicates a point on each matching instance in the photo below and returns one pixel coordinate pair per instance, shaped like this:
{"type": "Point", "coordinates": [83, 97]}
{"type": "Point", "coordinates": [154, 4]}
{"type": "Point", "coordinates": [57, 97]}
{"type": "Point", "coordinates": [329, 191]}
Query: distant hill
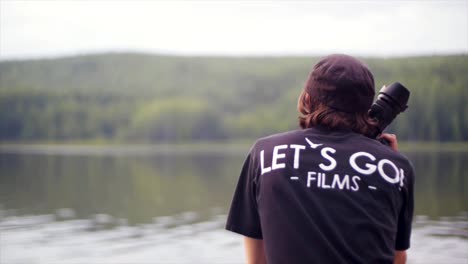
{"type": "Point", "coordinates": [169, 98]}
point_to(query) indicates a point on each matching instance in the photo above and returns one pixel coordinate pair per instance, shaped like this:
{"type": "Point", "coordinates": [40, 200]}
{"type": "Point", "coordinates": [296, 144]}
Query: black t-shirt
{"type": "Point", "coordinates": [321, 196]}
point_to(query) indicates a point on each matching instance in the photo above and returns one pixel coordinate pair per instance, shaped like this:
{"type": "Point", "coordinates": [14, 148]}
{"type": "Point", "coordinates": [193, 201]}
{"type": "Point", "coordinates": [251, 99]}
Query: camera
{"type": "Point", "coordinates": [391, 101]}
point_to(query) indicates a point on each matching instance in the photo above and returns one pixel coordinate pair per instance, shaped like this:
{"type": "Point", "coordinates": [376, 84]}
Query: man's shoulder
{"type": "Point", "coordinates": [280, 138]}
{"type": "Point", "coordinates": [384, 151]}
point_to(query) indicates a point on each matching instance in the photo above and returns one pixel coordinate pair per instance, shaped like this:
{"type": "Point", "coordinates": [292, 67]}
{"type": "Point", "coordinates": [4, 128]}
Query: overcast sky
{"type": "Point", "coordinates": [385, 28]}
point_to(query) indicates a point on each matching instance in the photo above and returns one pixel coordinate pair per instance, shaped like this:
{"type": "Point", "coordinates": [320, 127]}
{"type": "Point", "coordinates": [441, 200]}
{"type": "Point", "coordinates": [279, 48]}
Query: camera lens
{"type": "Point", "coordinates": [398, 94]}
{"type": "Point", "coordinates": [391, 101]}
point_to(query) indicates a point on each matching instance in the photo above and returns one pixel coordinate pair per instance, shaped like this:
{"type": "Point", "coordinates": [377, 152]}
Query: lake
{"type": "Point", "coordinates": [165, 204]}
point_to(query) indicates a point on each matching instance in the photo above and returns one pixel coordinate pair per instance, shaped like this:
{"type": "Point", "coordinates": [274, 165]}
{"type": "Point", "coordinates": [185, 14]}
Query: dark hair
{"type": "Point", "coordinates": [315, 113]}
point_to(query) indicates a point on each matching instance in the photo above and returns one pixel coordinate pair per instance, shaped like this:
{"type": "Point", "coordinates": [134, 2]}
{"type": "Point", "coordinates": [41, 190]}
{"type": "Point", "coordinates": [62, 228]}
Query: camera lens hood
{"type": "Point", "coordinates": [398, 94]}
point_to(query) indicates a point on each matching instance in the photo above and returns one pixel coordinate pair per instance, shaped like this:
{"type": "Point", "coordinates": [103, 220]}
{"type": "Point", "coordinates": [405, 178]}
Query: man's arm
{"type": "Point", "coordinates": [254, 251]}
{"type": "Point", "coordinates": [400, 257]}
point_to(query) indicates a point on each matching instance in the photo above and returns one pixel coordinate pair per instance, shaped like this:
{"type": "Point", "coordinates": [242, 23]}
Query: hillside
{"type": "Point", "coordinates": [141, 97]}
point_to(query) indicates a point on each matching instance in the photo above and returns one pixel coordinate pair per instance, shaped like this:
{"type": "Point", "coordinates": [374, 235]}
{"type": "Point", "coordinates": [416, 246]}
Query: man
{"type": "Point", "coordinates": [327, 193]}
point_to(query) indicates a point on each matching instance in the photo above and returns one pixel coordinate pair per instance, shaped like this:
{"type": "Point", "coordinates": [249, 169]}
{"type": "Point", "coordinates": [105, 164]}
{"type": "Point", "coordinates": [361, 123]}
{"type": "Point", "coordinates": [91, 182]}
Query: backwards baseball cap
{"type": "Point", "coordinates": [343, 83]}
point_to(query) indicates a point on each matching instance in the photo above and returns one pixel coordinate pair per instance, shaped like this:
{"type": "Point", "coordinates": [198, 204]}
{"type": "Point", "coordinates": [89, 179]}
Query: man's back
{"type": "Point", "coordinates": [321, 196]}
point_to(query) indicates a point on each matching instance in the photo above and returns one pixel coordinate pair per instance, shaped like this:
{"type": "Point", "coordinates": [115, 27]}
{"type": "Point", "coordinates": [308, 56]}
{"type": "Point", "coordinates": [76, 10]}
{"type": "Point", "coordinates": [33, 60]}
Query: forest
{"type": "Point", "coordinates": [130, 97]}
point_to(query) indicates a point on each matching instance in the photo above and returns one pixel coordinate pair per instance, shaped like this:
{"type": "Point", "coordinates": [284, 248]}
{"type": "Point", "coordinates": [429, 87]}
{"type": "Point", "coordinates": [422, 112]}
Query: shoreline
{"type": "Point", "coordinates": [126, 148]}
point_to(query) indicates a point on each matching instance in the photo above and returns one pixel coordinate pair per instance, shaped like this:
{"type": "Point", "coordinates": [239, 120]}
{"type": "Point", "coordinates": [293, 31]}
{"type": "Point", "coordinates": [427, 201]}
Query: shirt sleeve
{"type": "Point", "coordinates": [243, 216]}
{"type": "Point", "coordinates": [405, 216]}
